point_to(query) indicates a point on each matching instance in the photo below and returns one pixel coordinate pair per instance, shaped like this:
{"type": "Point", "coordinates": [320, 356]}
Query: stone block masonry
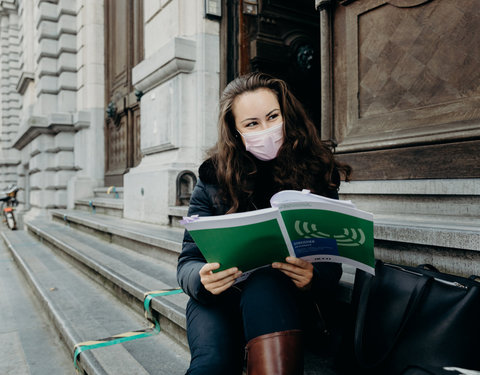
{"type": "Point", "coordinates": [9, 98]}
{"type": "Point", "coordinates": [50, 145]}
{"type": "Point", "coordinates": [56, 68]}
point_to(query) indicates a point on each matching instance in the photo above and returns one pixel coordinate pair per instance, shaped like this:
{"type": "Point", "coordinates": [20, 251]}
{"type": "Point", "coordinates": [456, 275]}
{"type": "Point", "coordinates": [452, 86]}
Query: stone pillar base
{"type": "Point", "coordinates": [150, 189]}
{"type": "Point", "coordinates": [79, 188]}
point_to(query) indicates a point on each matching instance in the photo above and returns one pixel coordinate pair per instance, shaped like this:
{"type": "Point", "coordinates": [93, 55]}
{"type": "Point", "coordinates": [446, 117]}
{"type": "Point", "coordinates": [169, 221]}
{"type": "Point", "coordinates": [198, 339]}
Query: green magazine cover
{"type": "Point", "coordinates": [300, 224]}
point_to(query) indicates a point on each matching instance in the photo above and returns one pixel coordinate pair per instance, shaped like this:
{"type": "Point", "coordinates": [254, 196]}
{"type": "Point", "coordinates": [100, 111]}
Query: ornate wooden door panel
{"type": "Point", "coordinates": [406, 88]}
{"type": "Point", "coordinates": [123, 50]}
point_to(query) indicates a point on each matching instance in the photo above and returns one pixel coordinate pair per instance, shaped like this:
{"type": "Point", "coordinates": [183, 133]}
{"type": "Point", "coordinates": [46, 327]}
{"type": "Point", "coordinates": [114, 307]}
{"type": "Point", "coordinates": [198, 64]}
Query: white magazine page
{"type": "Point", "coordinates": [231, 220]}
{"type": "Point", "coordinates": [290, 196]}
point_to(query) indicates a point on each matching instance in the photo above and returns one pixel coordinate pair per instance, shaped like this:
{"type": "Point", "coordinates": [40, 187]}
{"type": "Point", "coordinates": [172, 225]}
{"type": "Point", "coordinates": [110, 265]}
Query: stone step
{"type": "Point", "coordinates": [109, 192]}
{"type": "Point", "coordinates": [125, 273]}
{"type": "Point", "coordinates": [82, 310]}
{"type": "Point", "coordinates": [164, 244]}
{"type": "Point", "coordinates": [159, 242]}
{"type": "Point", "coordinates": [26, 335]}
{"type": "Point", "coordinates": [175, 214]}
{"type": "Point", "coordinates": [107, 206]}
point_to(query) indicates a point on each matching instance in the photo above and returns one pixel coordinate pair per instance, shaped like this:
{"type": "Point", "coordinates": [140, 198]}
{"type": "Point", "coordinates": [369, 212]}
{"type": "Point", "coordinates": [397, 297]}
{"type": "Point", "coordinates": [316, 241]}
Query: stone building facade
{"type": "Point", "coordinates": [10, 98]}
{"type": "Point", "coordinates": [53, 126]}
{"type": "Point", "coordinates": [179, 79]}
{"type": "Point", "coordinates": [54, 101]}
{"type": "Point", "coordinates": [417, 166]}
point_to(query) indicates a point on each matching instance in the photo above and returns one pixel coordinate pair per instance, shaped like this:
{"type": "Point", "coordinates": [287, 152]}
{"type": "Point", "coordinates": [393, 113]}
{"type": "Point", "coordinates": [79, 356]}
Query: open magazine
{"type": "Point", "coordinates": [299, 224]}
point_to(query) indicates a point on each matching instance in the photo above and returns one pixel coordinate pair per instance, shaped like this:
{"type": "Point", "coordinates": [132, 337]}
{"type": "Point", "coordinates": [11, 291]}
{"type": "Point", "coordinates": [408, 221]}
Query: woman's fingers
{"type": "Point", "coordinates": [217, 287]}
{"type": "Point", "coordinates": [217, 282]}
{"type": "Point", "coordinates": [222, 288]}
{"type": "Point", "coordinates": [299, 270]}
{"type": "Point", "coordinates": [296, 266]}
{"type": "Point", "coordinates": [207, 267]}
{"type": "Point", "coordinates": [214, 284]}
{"type": "Point", "coordinates": [293, 275]}
{"type": "Point", "coordinates": [301, 282]}
{"type": "Point", "coordinates": [206, 272]}
{"type": "Point", "coordinates": [299, 263]}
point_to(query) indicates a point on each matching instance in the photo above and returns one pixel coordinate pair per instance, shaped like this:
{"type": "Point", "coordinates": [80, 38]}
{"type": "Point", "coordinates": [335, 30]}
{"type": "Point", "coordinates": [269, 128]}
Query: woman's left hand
{"type": "Point", "coordinates": [299, 270]}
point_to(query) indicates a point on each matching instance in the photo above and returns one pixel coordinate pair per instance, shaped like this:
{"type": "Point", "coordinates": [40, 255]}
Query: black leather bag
{"type": "Point", "coordinates": [415, 316]}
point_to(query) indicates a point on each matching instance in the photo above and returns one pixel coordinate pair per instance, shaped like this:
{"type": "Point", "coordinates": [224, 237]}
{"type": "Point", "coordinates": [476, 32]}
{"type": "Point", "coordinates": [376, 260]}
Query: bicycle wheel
{"type": "Point", "coordinates": [11, 223]}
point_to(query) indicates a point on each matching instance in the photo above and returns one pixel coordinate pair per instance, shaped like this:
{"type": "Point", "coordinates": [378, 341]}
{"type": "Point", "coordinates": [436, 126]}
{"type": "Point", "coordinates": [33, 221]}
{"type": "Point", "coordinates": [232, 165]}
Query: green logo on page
{"type": "Point", "coordinates": [350, 237]}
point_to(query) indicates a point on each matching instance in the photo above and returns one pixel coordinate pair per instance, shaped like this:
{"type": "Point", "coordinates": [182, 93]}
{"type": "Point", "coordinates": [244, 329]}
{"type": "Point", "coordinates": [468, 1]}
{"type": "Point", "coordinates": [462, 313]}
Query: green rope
{"type": "Point", "coordinates": [127, 336]}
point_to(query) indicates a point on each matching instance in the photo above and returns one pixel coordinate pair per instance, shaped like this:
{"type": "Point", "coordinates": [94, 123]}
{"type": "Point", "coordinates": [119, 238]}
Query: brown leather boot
{"type": "Point", "coordinates": [278, 353]}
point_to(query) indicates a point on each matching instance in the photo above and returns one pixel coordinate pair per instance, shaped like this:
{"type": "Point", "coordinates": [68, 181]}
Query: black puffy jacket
{"type": "Point", "coordinates": [204, 202]}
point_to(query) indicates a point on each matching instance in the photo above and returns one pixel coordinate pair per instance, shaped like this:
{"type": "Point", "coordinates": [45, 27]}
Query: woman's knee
{"type": "Point", "coordinates": [211, 361]}
{"type": "Point", "coordinates": [215, 338]}
{"type": "Point", "coordinates": [270, 286]}
{"type": "Point", "coordinates": [270, 280]}
{"type": "Point", "coordinates": [270, 303]}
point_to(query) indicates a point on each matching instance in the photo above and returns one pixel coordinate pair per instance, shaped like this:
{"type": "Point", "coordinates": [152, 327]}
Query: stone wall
{"type": "Point", "coordinates": [10, 99]}
{"type": "Point", "coordinates": [400, 114]}
{"type": "Point", "coordinates": [55, 148]}
{"type": "Point", "coordinates": [423, 221]}
{"type": "Point", "coordinates": [90, 92]}
{"type": "Point", "coordinates": [179, 78]}
{"type": "Point", "coordinates": [59, 86]}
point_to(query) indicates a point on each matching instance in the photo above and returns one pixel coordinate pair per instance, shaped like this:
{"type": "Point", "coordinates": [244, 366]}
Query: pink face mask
{"type": "Point", "coordinates": [264, 145]}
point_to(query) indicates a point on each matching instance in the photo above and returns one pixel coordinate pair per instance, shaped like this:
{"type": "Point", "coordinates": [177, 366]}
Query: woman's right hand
{"type": "Point", "coordinates": [218, 282]}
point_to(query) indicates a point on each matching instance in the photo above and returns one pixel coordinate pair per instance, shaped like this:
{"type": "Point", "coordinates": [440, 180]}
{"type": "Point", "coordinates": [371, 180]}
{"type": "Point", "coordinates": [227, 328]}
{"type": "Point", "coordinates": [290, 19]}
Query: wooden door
{"type": "Point", "coordinates": [405, 92]}
{"type": "Point", "coordinates": [279, 37]}
{"type": "Point", "coordinates": [123, 50]}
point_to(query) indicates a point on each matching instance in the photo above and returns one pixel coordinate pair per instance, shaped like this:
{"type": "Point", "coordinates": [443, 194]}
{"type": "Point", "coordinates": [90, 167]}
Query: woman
{"type": "Point", "coordinates": [266, 144]}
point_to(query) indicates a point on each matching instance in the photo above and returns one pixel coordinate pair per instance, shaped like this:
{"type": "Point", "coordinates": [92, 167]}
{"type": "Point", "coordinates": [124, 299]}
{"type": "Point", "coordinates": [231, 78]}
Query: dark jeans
{"type": "Point", "coordinates": [268, 301]}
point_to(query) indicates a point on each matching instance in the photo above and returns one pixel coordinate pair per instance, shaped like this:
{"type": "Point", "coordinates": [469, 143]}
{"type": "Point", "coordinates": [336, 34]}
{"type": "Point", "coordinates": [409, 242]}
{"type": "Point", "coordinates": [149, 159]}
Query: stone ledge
{"type": "Point", "coordinates": [177, 56]}
{"type": "Point", "coordinates": [8, 6]}
{"type": "Point", "coordinates": [57, 149]}
{"type": "Point", "coordinates": [160, 148]}
{"type": "Point", "coordinates": [9, 162]}
{"type": "Point", "coordinates": [62, 168]}
{"type": "Point", "coordinates": [412, 187]}
{"type": "Point", "coordinates": [55, 187]}
{"type": "Point", "coordinates": [438, 231]}
{"type": "Point", "coordinates": [112, 192]}
{"type": "Point", "coordinates": [116, 204]}
{"type": "Point", "coordinates": [54, 11]}
{"type": "Point", "coordinates": [51, 124]}
{"type": "Point", "coordinates": [178, 211]}
{"type": "Point", "coordinates": [23, 82]}
{"type": "Point", "coordinates": [81, 120]}
{"type": "Point", "coordinates": [56, 91]}
{"type": "Point", "coordinates": [150, 234]}
{"type": "Point", "coordinates": [453, 261]}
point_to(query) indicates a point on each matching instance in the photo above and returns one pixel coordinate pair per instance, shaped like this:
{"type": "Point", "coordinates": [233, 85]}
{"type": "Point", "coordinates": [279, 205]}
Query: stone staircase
{"type": "Point", "coordinates": [106, 200]}
{"type": "Point", "coordinates": [90, 269]}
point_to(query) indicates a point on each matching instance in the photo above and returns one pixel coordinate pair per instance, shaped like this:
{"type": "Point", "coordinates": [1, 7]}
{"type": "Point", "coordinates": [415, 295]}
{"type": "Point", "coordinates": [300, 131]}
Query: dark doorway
{"type": "Point", "coordinates": [280, 37]}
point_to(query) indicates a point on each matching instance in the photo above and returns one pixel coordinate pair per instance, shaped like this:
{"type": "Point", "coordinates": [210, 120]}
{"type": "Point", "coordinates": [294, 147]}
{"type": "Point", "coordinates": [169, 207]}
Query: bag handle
{"type": "Point", "coordinates": [427, 267]}
{"type": "Point", "coordinates": [413, 302]}
{"type": "Point", "coordinates": [475, 278]}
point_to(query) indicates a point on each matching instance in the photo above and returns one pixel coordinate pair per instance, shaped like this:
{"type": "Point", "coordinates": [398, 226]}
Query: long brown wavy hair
{"type": "Point", "coordinates": [303, 161]}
